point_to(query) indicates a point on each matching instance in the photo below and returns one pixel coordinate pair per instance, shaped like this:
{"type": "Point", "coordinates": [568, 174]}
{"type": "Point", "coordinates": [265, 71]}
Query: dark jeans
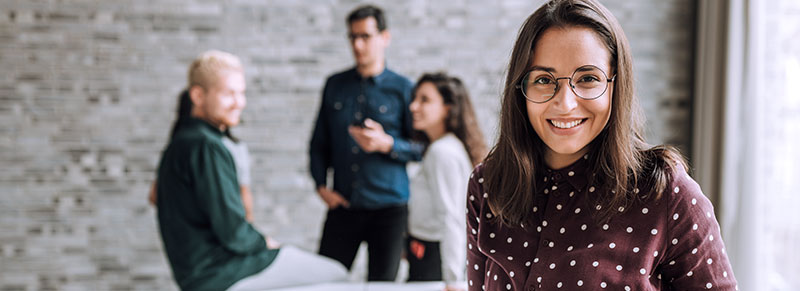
{"type": "Point", "coordinates": [382, 229]}
{"type": "Point", "coordinates": [429, 266]}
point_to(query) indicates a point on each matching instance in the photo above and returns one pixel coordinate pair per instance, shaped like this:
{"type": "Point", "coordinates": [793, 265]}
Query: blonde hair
{"type": "Point", "coordinates": [206, 67]}
{"type": "Point", "coordinates": [205, 70]}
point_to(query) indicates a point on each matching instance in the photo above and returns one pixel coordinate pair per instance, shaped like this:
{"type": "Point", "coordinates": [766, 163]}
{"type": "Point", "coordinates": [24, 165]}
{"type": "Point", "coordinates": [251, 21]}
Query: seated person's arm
{"type": "Point", "coordinates": [218, 194]}
{"type": "Point", "coordinates": [247, 202]}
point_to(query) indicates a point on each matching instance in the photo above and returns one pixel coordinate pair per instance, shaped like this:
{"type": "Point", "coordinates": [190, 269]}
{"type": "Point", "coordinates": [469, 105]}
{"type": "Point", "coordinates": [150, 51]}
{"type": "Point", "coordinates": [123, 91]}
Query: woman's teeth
{"type": "Point", "coordinates": [566, 125]}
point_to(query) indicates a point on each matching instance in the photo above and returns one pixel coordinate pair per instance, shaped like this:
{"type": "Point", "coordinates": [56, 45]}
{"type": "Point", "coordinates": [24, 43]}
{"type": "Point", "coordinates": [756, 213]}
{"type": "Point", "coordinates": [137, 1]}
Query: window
{"type": "Point", "coordinates": [748, 69]}
{"type": "Point", "coordinates": [779, 132]}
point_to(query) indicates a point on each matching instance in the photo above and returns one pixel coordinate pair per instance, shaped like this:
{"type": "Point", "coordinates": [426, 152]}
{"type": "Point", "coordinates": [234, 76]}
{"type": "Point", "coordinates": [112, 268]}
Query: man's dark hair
{"type": "Point", "coordinates": [366, 11]}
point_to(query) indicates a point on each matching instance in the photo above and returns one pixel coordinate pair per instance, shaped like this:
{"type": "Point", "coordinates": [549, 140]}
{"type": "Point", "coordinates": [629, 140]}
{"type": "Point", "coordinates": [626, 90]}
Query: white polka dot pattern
{"type": "Point", "coordinates": [672, 242]}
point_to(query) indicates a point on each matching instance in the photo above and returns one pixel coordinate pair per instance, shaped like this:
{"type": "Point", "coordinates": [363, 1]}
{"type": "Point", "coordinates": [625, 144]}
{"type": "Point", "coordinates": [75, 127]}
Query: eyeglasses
{"type": "Point", "coordinates": [363, 36]}
{"type": "Point", "coordinates": [587, 82]}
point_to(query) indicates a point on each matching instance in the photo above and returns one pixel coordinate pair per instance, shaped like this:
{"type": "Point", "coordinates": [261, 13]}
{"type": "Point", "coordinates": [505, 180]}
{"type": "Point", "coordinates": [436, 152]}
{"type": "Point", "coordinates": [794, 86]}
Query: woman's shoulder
{"type": "Point", "coordinates": [663, 169]}
{"type": "Point", "coordinates": [684, 196]}
{"type": "Point", "coordinates": [475, 190]}
{"type": "Point", "coordinates": [665, 180]}
{"type": "Point", "coordinates": [448, 146]}
{"type": "Point", "coordinates": [476, 177]}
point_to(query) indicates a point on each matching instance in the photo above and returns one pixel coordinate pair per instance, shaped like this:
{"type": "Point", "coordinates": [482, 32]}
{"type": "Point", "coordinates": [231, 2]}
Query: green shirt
{"type": "Point", "coordinates": [209, 244]}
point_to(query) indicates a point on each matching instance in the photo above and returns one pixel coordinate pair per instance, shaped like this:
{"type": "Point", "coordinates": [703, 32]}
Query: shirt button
{"type": "Point", "coordinates": [361, 98]}
{"type": "Point", "coordinates": [531, 288]}
{"type": "Point", "coordinates": [354, 149]}
{"type": "Point", "coordinates": [354, 167]}
{"type": "Point", "coordinates": [545, 242]}
{"type": "Point", "coordinates": [557, 176]}
{"type": "Point", "coordinates": [355, 184]}
{"type": "Point", "coordinates": [357, 115]}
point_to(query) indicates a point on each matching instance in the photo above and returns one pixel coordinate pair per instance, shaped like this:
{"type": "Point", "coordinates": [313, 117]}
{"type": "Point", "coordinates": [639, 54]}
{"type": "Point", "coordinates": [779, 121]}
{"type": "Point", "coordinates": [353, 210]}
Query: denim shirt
{"type": "Point", "coordinates": [367, 180]}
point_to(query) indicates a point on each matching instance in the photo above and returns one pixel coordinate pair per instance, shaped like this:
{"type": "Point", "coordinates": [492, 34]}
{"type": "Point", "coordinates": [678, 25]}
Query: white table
{"type": "Point", "coordinates": [372, 286]}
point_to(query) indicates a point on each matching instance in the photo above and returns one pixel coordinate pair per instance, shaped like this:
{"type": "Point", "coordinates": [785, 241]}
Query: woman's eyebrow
{"type": "Point", "coordinates": [583, 68]}
{"type": "Point", "coordinates": [586, 68]}
{"type": "Point", "coordinates": [542, 68]}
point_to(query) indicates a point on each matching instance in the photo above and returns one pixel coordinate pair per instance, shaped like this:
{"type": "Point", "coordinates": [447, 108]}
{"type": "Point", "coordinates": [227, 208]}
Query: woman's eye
{"type": "Point", "coordinates": [542, 81]}
{"type": "Point", "coordinates": [588, 79]}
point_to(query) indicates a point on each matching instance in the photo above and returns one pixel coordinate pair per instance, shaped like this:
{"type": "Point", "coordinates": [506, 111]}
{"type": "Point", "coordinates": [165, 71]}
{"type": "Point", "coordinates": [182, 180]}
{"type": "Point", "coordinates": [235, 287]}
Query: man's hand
{"type": "Point", "coordinates": [271, 243]}
{"type": "Point", "coordinates": [417, 249]}
{"type": "Point", "coordinates": [372, 138]}
{"type": "Point", "coordinates": [152, 197]}
{"type": "Point", "coordinates": [332, 198]}
{"type": "Point", "coordinates": [247, 202]}
{"type": "Point", "coordinates": [453, 288]}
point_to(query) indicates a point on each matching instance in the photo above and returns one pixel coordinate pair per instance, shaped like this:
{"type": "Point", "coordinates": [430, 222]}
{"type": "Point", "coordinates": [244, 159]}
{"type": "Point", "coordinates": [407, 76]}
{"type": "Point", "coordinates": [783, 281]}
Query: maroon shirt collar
{"type": "Point", "coordinates": [577, 174]}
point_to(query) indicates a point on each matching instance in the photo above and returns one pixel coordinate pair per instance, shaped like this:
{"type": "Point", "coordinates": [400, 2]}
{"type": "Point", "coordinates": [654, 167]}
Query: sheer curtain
{"type": "Point", "coordinates": [747, 119]}
{"type": "Point", "coordinates": [778, 154]}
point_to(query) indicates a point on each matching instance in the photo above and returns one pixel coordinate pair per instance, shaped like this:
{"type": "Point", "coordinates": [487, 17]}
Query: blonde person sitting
{"type": "Point", "coordinates": [208, 241]}
{"type": "Point", "coordinates": [237, 148]}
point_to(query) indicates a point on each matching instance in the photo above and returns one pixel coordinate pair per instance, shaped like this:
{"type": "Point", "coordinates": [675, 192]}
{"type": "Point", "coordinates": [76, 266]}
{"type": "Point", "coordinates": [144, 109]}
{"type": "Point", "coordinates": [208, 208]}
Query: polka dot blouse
{"type": "Point", "coordinates": [672, 243]}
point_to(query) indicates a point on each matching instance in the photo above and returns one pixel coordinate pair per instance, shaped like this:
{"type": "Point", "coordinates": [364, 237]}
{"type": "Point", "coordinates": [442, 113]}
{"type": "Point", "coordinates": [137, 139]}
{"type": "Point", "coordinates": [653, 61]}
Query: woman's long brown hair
{"type": "Point", "coordinates": [619, 157]}
{"type": "Point", "coordinates": [461, 119]}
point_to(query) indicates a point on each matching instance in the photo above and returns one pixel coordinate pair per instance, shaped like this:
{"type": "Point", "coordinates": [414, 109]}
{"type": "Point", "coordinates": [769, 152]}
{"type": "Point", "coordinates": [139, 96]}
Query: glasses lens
{"type": "Point", "coordinates": [356, 36]}
{"type": "Point", "coordinates": [589, 82]}
{"type": "Point", "coordinates": [538, 86]}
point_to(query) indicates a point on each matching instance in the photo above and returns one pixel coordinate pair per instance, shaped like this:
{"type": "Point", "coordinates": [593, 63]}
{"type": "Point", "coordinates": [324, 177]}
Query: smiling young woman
{"type": "Point", "coordinates": [571, 195]}
{"type": "Point", "coordinates": [442, 113]}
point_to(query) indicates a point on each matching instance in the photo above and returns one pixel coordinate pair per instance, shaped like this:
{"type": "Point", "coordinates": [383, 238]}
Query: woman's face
{"type": "Point", "coordinates": [567, 123]}
{"type": "Point", "coordinates": [428, 111]}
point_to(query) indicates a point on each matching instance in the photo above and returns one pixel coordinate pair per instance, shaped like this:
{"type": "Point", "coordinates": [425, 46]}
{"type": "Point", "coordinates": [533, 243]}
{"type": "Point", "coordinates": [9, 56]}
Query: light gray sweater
{"type": "Point", "coordinates": [437, 204]}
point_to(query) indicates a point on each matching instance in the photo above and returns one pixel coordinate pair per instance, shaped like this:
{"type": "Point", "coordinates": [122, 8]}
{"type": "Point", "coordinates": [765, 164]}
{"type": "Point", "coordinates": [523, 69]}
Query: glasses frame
{"type": "Point", "coordinates": [352, 37]}
{"type": "Point", "coordinates": [521, 86]}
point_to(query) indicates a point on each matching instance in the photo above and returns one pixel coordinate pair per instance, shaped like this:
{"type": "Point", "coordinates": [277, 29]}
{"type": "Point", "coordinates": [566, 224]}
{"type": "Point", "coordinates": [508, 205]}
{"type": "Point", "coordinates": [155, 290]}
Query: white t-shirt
{"type": "Point", "coordinates": [241, 157]}
{"type": "Point", "coordinates": [437, 203]}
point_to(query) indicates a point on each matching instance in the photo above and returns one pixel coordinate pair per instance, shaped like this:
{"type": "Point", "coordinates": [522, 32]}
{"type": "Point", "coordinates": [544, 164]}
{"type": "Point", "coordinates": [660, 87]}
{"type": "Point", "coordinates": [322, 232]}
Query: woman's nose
{"type": "Point", "coordinates": [565, 99]}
